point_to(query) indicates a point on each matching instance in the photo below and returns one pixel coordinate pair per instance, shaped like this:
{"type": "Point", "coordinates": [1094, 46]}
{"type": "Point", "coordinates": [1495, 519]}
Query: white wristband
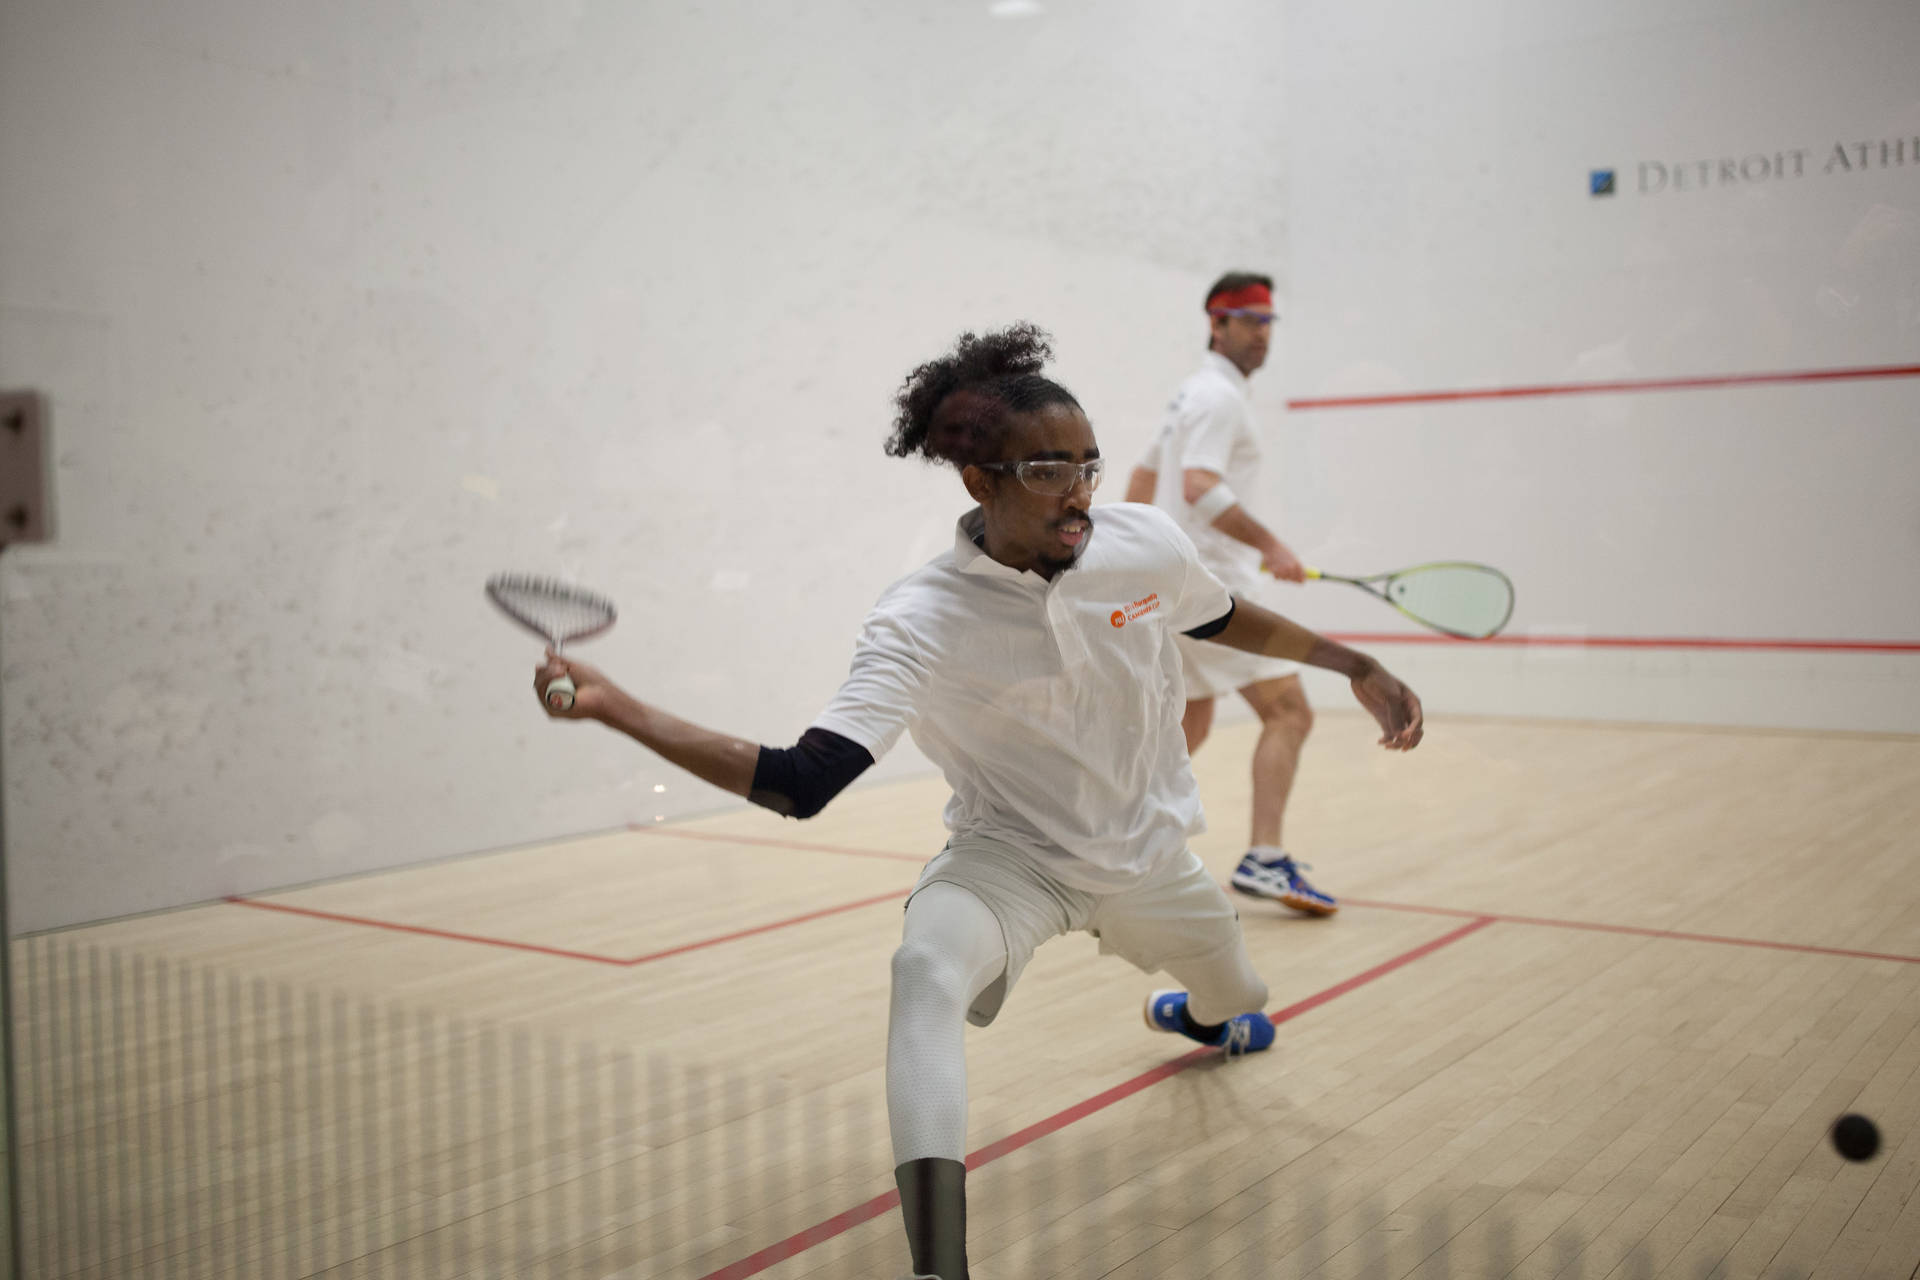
{"type": "Point", "coordinates": [1215, 503]}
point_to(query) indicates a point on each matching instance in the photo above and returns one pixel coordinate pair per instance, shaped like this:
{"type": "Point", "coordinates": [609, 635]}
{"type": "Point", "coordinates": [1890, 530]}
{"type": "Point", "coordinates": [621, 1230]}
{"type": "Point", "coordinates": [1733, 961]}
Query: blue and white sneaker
{"type": "Point", "coordinates": [1279, 878]}
{"type": "Point", "coordinates": [1246, 1033]}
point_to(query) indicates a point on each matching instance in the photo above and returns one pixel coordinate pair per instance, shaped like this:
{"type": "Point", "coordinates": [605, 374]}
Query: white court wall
{"type": "Point", "coordinates": [342, 307]}
{"type": "Point", "coordinates": [1764, 221]}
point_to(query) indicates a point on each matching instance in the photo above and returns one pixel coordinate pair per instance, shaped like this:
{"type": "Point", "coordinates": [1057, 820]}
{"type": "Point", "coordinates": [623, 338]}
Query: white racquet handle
{"type": "Point", "coordinates": [559, 694]}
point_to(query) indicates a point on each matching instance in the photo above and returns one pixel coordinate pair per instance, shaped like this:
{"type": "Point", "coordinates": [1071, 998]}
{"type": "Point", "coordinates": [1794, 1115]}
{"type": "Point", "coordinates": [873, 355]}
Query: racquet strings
{"type": "Point", "coordinates": [557, 610]}
{"type": "Point", "coordinates": [1471, 600]}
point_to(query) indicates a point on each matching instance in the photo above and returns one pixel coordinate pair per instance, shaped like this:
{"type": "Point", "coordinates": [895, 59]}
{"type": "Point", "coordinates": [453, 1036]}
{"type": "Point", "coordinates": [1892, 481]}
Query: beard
{"type": "Point", "coordinates": [1060, 564]}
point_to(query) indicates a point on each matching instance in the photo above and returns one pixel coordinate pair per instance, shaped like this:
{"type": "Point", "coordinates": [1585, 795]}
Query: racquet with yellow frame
{"type": "Point", "coordinates": [1454, 597]}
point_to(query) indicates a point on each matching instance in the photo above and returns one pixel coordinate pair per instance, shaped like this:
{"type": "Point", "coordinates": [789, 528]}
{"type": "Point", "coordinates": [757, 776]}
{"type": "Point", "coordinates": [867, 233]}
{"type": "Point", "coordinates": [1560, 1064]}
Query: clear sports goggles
{"type": "Point", "coordinates": [1050, 477]}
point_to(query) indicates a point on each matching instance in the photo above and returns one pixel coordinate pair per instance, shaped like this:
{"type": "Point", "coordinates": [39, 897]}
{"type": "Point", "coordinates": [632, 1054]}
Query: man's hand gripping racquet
{"type": "Point", "coordinates": [558, 612]}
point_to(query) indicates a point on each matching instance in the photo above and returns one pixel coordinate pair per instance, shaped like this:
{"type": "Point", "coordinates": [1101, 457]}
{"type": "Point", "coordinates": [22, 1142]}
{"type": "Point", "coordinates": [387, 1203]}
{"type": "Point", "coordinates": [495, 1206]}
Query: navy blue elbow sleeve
{"type": "Point", "coordinates": [797, 781]}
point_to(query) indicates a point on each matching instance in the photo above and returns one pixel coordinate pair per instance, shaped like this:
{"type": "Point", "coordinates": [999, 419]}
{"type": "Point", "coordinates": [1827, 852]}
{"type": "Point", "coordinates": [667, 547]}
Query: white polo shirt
{"type": "Point", "coordinates": [1053, 708]}
{"type": "Point", "coordinates": [1209, 426]}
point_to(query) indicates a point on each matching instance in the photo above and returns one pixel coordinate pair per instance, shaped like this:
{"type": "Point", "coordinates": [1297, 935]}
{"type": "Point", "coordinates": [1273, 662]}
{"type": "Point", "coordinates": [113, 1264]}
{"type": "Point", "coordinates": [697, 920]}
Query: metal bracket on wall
{"type": "Point", "coordinates": [24, 511]}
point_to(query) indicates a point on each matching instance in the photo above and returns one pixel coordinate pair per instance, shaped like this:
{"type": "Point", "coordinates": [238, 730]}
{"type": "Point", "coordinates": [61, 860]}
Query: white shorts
{"type": "Point", "coordinates": [1213, 670]}
{"type": "Point", "coordinates": [1177, 913]}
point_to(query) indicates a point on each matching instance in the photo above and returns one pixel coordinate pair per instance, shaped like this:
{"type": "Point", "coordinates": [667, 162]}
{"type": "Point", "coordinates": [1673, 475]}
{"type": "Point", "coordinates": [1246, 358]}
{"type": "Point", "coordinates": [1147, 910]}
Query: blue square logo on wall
{"type": "Point", "coordinates": [1600, 182]}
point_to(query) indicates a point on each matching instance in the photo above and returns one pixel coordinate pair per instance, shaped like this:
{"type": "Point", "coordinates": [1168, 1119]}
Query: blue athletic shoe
{"type": "Point", "coordinates": [1280, 879]}
{"type": "Point", "coordinates": [1247, 1033]}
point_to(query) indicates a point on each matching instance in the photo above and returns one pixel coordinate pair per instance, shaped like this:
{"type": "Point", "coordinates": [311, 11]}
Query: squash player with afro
{"type": "Point", "coordinates": [1035, 663]}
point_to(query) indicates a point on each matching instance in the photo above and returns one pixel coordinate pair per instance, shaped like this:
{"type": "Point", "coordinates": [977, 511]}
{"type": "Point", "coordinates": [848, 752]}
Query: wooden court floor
{"type": "Point", "coordinates": [1596, 994]}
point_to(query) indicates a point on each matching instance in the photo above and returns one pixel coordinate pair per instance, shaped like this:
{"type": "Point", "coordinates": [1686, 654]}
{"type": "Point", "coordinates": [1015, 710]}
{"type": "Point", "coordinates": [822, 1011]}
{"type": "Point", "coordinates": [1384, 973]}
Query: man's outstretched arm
{"type": "Point", "coordinates": [796, 781]}
{"type": "Point", "coordinates": [1256, 630]}
{"type": "Point", "coordinates": [1210, 497]}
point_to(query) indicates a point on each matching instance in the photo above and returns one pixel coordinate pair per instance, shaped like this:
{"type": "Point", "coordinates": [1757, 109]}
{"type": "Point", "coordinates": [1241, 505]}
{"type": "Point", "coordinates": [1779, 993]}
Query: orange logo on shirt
{"type": "Point", "coordinates": [1139, 608]}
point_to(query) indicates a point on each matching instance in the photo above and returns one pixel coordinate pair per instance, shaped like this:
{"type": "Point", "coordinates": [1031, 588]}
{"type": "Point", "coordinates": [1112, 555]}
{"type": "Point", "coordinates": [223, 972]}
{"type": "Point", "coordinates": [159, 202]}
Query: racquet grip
{"type": "Point", "coordinates": [559, 694]}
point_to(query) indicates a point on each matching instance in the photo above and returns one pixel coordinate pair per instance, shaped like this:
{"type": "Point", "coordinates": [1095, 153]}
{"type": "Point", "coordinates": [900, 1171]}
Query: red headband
{"type": "Point", "coordinates": [1249, 295]}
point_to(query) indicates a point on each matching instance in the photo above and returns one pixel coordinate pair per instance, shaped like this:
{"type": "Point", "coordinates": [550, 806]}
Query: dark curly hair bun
{"type": "Point", "coordinates": [955, 408]}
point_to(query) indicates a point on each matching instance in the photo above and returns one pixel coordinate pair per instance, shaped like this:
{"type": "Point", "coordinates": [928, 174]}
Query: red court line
{"type": "Point", "coordinates": [894, 896]}
{"type": "Point", "coordinates": [1601, 388]}
{"type": "Point", "coordinates": [771, 843]}
{"type": "Point", "coordinates": [1633, 642]}
{"type": "Point", "coordinates": [421, 930]}
{"type": "Point", "coordinates": [801, 1241]}
{"type": "Point", "coordinates": [1541, 921]}
{"type": "Point", "coordinates": [1636, 930]}
{"type": "Point", "coordinates": [562, 952]}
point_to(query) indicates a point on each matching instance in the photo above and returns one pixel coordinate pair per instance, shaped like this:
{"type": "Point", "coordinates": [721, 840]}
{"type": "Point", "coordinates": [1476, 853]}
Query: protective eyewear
{"type": "Point", "coordinates": [1052, 478]}
{"type": "Point", "coordinates": [1261, 319]}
